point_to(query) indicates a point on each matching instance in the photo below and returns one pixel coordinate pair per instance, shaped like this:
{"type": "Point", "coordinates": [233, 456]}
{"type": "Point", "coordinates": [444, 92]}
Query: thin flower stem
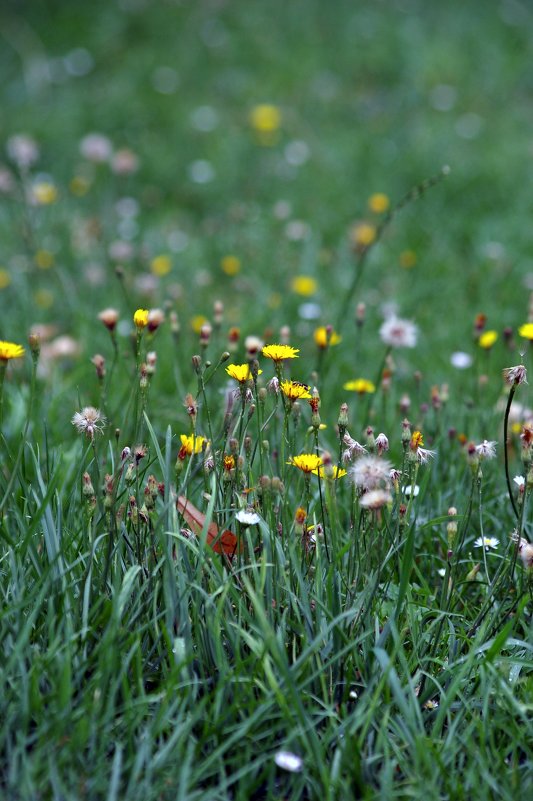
{"type": "Point", "coordinates": [505, 449]}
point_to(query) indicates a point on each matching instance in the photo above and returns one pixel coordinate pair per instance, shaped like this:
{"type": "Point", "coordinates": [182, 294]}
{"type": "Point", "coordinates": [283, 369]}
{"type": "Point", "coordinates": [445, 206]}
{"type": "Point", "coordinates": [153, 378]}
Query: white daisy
{"type": "Point", "coordinates": [487, 542]}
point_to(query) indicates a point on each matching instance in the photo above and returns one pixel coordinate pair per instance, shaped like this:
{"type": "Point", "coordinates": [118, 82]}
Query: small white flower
{"type": "Point", "coordinates": [487, 542]}
{"type": "Point", "coordinates": [246, 518]}
{"type": "Point", "coordinates": [520, 481]}
{"type": "Point", "coordinates": [288, 761]}
{"type": "Point", "coordinates": [431, 705]}
{"type": "Point", "coordinates": [441, 571]}
{"type": "Point", "coordinates": [398, 333]}
{"type": "Point", "coordinates": [412, 490]}
{"type": "Point", "coordinates": [461, 360]}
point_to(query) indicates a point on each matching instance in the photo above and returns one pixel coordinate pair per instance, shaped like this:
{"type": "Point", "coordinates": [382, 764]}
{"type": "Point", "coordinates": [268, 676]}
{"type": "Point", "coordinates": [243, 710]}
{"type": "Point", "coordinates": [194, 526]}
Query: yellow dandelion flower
{"type": "Point", "coordinates": [378, 202]}
{"type": "Point", "coordinates": [231, 265]}
{"type": "Point", "coordinates": [487, 339]}
{"type": "Point", "coordinates": [324, 339]}
{"type": "Point", "coordinates": [526, 331]}
{"type": "Point", "coordinates": [197, 322]}
{"type": "Point", "coordinates": [161, 265]}
{"type": "Point", "coordinates": [8, 350]}
{"type": "Point", "coordinates": [294, 390]}
{"type": "Point", "coordinates": [44, 259]}
{"type": "Point", "coordinates": [337, 472]}
{"type": "Point", "coordinates": [228, 462]}
{"type": "Point", "coordinates": [44, 193]}
{"type": "Point", "coordinates": [516, 428]}
{"type": "Point", "coordinates": [306, 462]}
{"type": "Point", "coordinates": [191, 444]}
{"type": "Point", "coordinates": [265, 118]}
{"type": "Point", "coordinates": [79, 185]}
{"type": "Point", "coordinates": [5, 278]}
{"type": "Point", "coordinates": [408, 259]}
{"type": "Point", "coordinates": [363, 234]}
{"type": "Point", "coordinates": [140, 318]}
{"type": "Point", "coordinates": [279, 352]}
{"type": "Point", "coordinates": [240, 372]}
{"type": "Point", "coordinates": [360, 385]}
{"type": "Point", "coordinates": [304, 285]}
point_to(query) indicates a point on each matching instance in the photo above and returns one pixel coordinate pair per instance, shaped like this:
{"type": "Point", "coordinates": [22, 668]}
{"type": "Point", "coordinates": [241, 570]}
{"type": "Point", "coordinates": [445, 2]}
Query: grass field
{"type": "Point", "coordinates": [230, 571]}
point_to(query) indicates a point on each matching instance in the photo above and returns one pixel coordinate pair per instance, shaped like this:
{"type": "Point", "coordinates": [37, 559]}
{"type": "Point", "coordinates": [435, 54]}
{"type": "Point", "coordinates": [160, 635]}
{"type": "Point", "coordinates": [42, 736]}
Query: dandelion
{"type": "Point", "coordinates": [280, 352]}
{"type": "Point", "coordinates": [140, 318]}
{"type": "Point", "coordinates": [288, 761]}
{"type": "Point", "coordinates": [487, 542]}
{"type": "Point", "coordinates": [360, 385]}
{"type": "Point", "coordinates": [420, 454]}
{"type": "Point", "coordinates": [486, 449]}
{"type": "Point", "coordinates": [191, 444]}
{"type": "Point", "coordinates": [9, 350]}
{"type": "Point", "coordinates": [295, 390]}
{"type": "Point", "coordinates": [398, 333]}
{"type": "Point", "coordinates": [375, 499]}
{"type": "Point", "coordinates": [265, 118]}
{"type": "Point", "coordinates": [161, 265]}
{"type": "Point", "coordinates": [526, 331]}
{"type": "Point", "coordinates": [325, 337]}
{"type": "Point", "coordinates": [231, 265]}
{"type": "Point", "coordinates": [378, 202]}
{"type": "Point", "coordinates": [371, 472]}
{"type": "Point", "coordinates": [304, 285]}
{"type": "Point", "coordinates": [487, 339]}
{"type": "Point", "coordinates": [515, 375]}
{"type": "Point", "coordinates": [240, 372]}
{"type": "Point", "coordinates": [306, 462]}
{"type": "Point", "coordinates": [362, 235]}
{"type": "Point", "coordinates": [89, 421]}
{"type": "Point", "coordinates": [331, 472]}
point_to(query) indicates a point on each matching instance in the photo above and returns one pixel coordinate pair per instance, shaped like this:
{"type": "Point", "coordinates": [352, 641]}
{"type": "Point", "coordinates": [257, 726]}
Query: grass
{"type": "Point", "coordinates": [142, 658]}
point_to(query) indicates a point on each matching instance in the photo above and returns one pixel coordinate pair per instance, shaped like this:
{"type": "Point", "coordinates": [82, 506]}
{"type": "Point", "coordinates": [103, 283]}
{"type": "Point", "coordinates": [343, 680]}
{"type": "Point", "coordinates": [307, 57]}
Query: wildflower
{"type": "Point", "coordinates": [412, 490]}
{"type": "Point", "coordinates": [279, 352]}
{"type": "Point", "coordinates": [526, 331]}
{"type": "Point", "coordinates": [461, 360]}
{"type": "Point", "coordinates": [253, 346]}
{"type": "Point", "coordinates": [330, 471]}
{"type": "Point", "coordinates": [191, 444]}
{"type": "Point", "coordinates": [22, 150]}
{"type": "Point", "coordinates": [89, 421]}
{"type": "Point", "coordinates": [520, 482]}
{"type": "Point", "coordinates": [9, 350]}
{"type": "Point", "coordinates": [288, 761]}
{"type": "Point", "coordinates": [419, 454]}
{"type": "Point", "coordinates": [240, 372]}
{"type": "Point", "coordinates": [44, 193]}
{"type": "Point", "coordinates": [525, 549]}
{"type": "Point", "coordinates": [515, 375]}
{"type": "Point", "coordinates": [140, 318]}
{"type": "Point", "coordinates": [487, 542]}
{"type": "Point", "coordinates": [96, 147]}
{"type": "Point", "coordinates": [161, 265]}
{"type": "Point", "coordinates": [431, 705]}
{"type": "Point", "coordinates": [487, 339]}
{"type": "Point", "coordinates": [375, 499]}
{"type": "Point", "coordinates": [124, 162]}
{"type": "Point", "coordinates": [231, 265]}
{"type": "Point", "coordinates": [304, 285]}
{"type": "Point", "coordinates": [371, 472]}
{"type": "Point", "coordinates": [306, 462]}
{"type": "Point", "coordinates": [398, 333]}
{"type": "Point", "coordinates": [362, 235]}
{"type": "Point", "coordinates": [247, 518]}
{"type": "Point", "coordinates": [378, 202]}
{"type": "Point", "coordinates": [486, 450]}
{"type": "Point", "coordinates": [353, 448]}
{"type": "Point", "coordinates": [325, 337]}
{"type": "Point", "coordinates": [360, 385]}
{"type": "Point", "coordinates": [265, 118]}
{"type": "Point", "coordinates": [295, 390]}
{"type": "Point", "coordinates": [381, 443]}
{"type": "Point", "coordinates": [408, 259]}
{"type": "Point", "coordinates": [155, 318]}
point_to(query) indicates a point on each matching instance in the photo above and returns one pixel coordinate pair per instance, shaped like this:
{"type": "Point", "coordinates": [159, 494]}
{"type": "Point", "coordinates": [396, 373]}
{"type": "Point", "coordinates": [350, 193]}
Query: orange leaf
{"type": "Point", "coordinates": [225, 542]}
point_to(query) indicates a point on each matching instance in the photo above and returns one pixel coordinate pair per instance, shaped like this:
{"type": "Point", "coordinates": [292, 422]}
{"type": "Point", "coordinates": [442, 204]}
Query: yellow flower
{"type": "Point", "coordinates": [360, 385]}
{"type": "Point", "coordinates": [265, 118]}
{"type": "Point", "coordinates": [294, 390]}
{"type": "Point", "coordinates": [191, 444]}
{"type": "Point", "coordinates": [44, 298]}
{"type": "Point", "coordinates": [8, 350]}
{"type": "Point", "coordinates": [378, 203]}
{"type": "Point", "coordinates": [240, 372]}
{"type": "Point", "coordinates": [140, 318]}
{"type": "Point", "coordinates": [5, 278]}
{"type": "Point", "coordinates": [408, 259]}
{"type": "Point", "coordinates": [279, 352]}
{"type": "Point", "coordinates": [44, 193]}
{"type": "Point", "coordinates": [304, 285]}
{"type": "Point", "coordinates": [526, 331]}
{"type": "Point", "coordinates": [161, 265]}
{"type": "Point", "coordinates": [306, 462]}
{"type": "Point", "coordinates": [323, 340]}
{"type": "Point", "coordinates": [231, 265]}
{"type": "Point", "coordinates": [487, 339]}
{"type": "Point", "coordinates": [338, 472]}
{"type": "Point", "coordinates": [274, 300]}
{"type": "Point", "coordinates": [44, 259]}
{"type": "Point", "coordinates": [197, 322]}
{"type": "Point", "coordinates": [363, 234]}
{"type": "Point", "coordinates": [79, 185]}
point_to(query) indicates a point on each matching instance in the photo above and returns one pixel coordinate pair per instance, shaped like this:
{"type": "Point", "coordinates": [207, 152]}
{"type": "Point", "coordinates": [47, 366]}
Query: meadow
{"type": "Point", "coordinates": [266, 427]}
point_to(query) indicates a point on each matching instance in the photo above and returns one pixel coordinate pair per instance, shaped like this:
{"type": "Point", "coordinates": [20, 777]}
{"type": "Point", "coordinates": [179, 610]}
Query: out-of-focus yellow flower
{"type": "Point", "coordinates": [487, 339]}
{"type": "Point", "coordinates": [140, 318]}
{"type": "Point", "coordinates": [231, 265]}
{"type": "Point", "coordinates": [526, 331]}
{"type": "Point", "coordinates": [323, 340]}
{"type": "Point", "coordinates": [9, 350]}
{"type": "Point", "coordinates": [265, 118]}
{"type": "Point", "coordinates": [43, 298]}
{"type": "Point", "coordinates": [378, 202]}
{"type": "Point", "coordinates": [44, 193]}
{"type": "Point", "coordinates": [161, 265]}
{"type": "Point", "coordinates": [279, 352]}
{"type": "Point", "coordinates": [360, 385]}
{"type": "Point", "coordinates": [44, 259]}
{"type": "Point", "coordinates": [5, 278]}
{"type": "Point", "coordinates": [197, 322]}
{"type": "Point", "coordinates": [363, 234]}
{"type": "Point", "coordinates": [408, 259]}
{"type": "Point", "coordinates": [79, 185]}
{"type": "Point", "coordinates": [304, 285]}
